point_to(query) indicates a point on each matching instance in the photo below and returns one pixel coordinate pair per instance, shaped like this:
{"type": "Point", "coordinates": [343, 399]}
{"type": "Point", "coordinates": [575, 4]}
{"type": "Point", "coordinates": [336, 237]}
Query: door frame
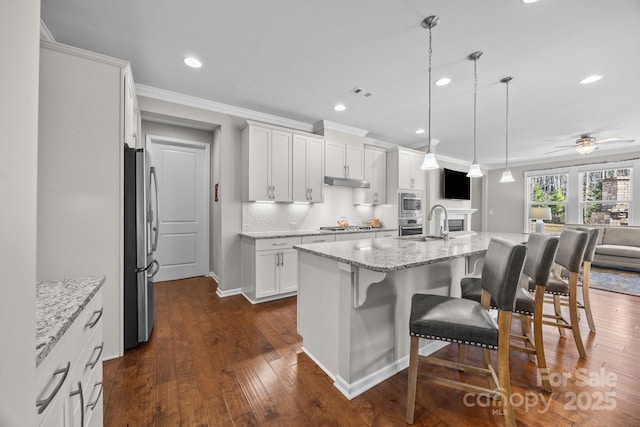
{"type": "Point", "coordinates": [165, 140]}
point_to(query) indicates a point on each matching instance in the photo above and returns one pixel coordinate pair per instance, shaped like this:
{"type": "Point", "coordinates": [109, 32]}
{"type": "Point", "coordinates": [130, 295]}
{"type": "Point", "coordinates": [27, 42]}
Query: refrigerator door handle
{"type": "Point", "coordinates": [156, 228]}
{"type": "Point", "coordinates": [153, 271]}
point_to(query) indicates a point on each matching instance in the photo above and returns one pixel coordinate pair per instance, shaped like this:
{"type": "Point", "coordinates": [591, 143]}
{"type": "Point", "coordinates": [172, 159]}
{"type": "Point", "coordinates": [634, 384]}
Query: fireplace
{"type": "Point", "coordinates": [459, 219]}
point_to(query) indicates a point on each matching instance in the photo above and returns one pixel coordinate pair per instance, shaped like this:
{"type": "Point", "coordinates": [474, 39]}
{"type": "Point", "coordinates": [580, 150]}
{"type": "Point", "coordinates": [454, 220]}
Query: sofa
{"type": "Point", "coordinates": [618, 247]}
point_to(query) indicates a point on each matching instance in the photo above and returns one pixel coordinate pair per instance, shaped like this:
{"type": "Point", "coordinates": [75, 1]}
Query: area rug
{"type": "Point", "coordinates": [623, 282]}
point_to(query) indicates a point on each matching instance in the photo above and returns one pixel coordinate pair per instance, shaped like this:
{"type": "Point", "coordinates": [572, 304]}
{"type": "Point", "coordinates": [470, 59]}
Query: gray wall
{"type": "Point", "coordinates": [505, 202]}
{"type": "Point", "coordinates": [19, 40]}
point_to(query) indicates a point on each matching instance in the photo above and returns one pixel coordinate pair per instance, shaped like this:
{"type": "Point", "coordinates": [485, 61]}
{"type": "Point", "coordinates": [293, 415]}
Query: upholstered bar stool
{"type": "Point", "coordinates": [541, 251]}
{"type": "Point", "coordinates": [469, 322]}
{"type": "Point", "coordinates": [570, 255]}
{"type": "Point", "coordinates": [589, 253]}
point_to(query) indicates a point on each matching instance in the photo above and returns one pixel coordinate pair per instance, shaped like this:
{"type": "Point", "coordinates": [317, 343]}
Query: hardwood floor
{"type": "Point", "coordinates": [226, 362]}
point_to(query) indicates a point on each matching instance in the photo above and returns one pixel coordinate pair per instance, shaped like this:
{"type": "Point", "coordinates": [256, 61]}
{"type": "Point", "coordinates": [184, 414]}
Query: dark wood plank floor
{"type": "Point", "coordinates": [226, 362]}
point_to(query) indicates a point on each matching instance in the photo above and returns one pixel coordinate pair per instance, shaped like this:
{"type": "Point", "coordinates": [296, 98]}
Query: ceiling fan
{"type": "Point", "coordinates": [585, 144]}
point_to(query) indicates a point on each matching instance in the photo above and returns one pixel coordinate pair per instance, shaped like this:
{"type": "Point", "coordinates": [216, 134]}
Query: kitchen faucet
{"type": "Point", "coordinates": [444, 229]}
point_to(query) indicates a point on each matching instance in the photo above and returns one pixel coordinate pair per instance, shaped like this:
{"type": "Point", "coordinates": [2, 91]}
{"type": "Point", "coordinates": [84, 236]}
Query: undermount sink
{"type": "Point", "coordinates": [421, 238]}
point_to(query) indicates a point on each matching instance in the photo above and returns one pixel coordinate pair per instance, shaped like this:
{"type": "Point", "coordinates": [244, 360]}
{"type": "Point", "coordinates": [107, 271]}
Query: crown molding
{"type": "Point", "coordinates": [378, 143]}
{"type": "Point", "coordinates": [45, 34]}
{"type": "Point", "coordinates": [320, 126]}
{"type": "Point", "coordinates": [218, 107]}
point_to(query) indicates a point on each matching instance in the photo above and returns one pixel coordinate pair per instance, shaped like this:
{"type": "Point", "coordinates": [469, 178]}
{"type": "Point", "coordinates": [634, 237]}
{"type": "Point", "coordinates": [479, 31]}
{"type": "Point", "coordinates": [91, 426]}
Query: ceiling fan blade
{"type": "Point", "coordinates": [566, 146]}
{"type": "Point", "coordinates": [561, 149]}
{"type": "Point", "coordinates": [618, 140]}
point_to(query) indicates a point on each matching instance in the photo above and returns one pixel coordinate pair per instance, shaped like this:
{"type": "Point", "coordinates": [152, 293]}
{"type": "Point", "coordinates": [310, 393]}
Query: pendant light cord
{"type": "Point", "coordinates": [475, 96]}
{"type": "Point", "coordinates": [506, 132]}
{"type": "Point", "coordinates": [429, 96]}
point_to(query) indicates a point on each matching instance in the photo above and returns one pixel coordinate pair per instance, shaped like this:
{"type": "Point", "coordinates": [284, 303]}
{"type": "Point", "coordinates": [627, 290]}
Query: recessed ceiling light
{"type": "Point", "coordinates": [420, 131]}
{"type": "Point", "coordinates": [339, 107]}
{"type": "Point", "coordinates": [192, 62]}
{"type": "Point", "coordinates": [590, 79]}
{"type": "Point", "coordinates": [529, 1]}
{"type": "Point", "coordinates": [443, 81]}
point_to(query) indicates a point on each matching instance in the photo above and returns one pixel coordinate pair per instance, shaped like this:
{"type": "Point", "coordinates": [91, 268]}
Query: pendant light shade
{"type": "Point", "coordinates": [474, 169]}
{"type": "Point", "coordinates": [506, 175]}
{"type": "Point", "coordinates": [430, 162]}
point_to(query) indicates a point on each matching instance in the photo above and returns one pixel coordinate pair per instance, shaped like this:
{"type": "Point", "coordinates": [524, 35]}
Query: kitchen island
{"type": "Point", "coordinates": [354, 300]}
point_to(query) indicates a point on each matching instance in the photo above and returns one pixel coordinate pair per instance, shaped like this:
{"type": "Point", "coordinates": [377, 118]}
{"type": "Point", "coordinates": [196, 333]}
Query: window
{"type": "Point", "coordinates": [548, 191]}
{"type": "Point", "coordinates": [605, 196]}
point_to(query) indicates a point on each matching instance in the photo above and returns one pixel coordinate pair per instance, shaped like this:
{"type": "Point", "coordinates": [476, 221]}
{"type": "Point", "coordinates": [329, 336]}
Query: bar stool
{"type": "Point", "coordinates": [469, 322]}
{"type": "Point", "coordinates": [570, 255]}
{"type": "Point", "coordinates": [541, 251]}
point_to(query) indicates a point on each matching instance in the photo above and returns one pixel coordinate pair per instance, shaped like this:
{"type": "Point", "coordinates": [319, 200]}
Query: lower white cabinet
{"type": "Point", "coordinates": [271, 268]}
{"type": "Point", "coordinates": [69, 379]}
{"type": "Point", "coordinates": [355, 236]}
{"type": "Point", "coordinates": [383, 234]}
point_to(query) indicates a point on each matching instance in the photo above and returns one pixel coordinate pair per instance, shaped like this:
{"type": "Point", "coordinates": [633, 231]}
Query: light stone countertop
{"type": "Point", "coordinates": [300, 233]}
{"type": "Point", "coordinates": [58, 304]}
{"type": "Point", "coordinates": [399, 253]}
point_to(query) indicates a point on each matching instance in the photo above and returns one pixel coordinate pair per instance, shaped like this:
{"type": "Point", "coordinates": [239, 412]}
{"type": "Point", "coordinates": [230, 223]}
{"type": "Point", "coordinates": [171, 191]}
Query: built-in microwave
{"type": "Point", "coordinates": [409, 205]}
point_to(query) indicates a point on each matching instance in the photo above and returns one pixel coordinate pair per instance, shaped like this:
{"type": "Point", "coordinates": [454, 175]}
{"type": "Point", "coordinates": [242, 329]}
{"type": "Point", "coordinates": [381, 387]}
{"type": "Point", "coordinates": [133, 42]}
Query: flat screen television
{"type": "Point", "coordinates": [456, 185]}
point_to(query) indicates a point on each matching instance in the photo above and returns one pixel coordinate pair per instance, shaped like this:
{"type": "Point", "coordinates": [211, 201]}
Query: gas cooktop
{"type": "Point", "coordinates": [349, 228]}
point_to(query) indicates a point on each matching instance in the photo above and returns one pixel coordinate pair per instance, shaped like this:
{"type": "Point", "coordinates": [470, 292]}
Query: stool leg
{"type": "Point", "coordinates": [586, 271]}
{"type": "Point", "coordinates": [525, 321]}
{"type": "Point", "coordinates": [558, 310]}
{"type": "Point", "coordinates": [413, 378]}
{"type": "Point", "coordinates": [504, 327]}
{"type": "Point", "coordinates": [573, 313]}
{"type": "Point", "coordinates": [537, 336]}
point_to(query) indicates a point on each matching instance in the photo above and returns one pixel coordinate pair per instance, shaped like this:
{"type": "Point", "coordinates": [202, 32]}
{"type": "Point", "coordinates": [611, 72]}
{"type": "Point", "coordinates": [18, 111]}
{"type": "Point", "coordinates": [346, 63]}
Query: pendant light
{"type": "Point", "coordinates": [430, 162]}
{"type": "Point", "coordinates": [474, 169]}
{"type": "Point", "coordinates": [506, 175]}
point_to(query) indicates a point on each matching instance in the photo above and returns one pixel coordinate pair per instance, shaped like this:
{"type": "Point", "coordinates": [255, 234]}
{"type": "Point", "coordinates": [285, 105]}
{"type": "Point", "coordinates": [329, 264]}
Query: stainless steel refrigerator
{"type": "Point", "coordinates": [140, 242]}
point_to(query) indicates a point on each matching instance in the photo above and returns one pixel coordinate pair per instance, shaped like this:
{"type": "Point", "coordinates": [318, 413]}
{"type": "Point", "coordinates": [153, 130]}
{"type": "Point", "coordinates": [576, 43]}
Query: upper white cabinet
{"type": "Point", "coordinates": [375, 171]}
{"type": "Point", "coordinates": [403, 170]}
{"type": "Point", "coordinates": [344, 160]}
{"type": "Point", "coordinates": [131, 115]}
{"type": "Point", "coordinates": [308, 169]}
{"type": "Point", "coordinates": [266, 164]}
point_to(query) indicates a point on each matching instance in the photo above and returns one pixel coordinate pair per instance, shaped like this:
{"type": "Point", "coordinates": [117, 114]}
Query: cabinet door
{"type": "Point", "coordinates": [288, 271]}
{"type": "Point", "coordinates": [299, 169]}
{"type": "Point", "coordinates": [355, 161]}
{"type": "Point", "coordinates": [267, 266]}
{"type": "Point", "coordinates": [334, 162]}
{"type": "Point", "coordinates": [315, 169]}
{"type": "Point", "coordinates": [258, 152]}
{"type": "Point", "coordinates": [280, 165]}
{"type": "Point", "coordinates": [369, 175]}
{"type": "Point", "coordinates": [380, 177]}
{"type": "Point", "coordinates": [417, 173]}
{"type": "Point", "coordinates": [405, 180]}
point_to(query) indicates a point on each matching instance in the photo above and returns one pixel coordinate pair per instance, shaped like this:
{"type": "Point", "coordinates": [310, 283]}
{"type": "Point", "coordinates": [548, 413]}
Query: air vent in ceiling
{"type": "Point", "coordinates": [362, 92]}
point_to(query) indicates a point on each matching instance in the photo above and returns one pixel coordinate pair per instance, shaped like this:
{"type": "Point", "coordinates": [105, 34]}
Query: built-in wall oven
{"type": "Point", "coordinates": [409, 226]}
{"type": "Point", "coordinates": [409, 214]}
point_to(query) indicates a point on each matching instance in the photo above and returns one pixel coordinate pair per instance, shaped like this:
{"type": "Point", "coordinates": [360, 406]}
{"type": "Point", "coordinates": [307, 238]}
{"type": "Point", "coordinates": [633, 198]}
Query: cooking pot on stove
{"type": "Point", "coordinates": [343, 222]}
{"type": "Point", "coordinates": [375, 222]}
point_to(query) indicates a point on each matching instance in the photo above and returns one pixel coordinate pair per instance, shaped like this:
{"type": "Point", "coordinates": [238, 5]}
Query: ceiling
{"type": "Point", "coordinates": [298, 59]}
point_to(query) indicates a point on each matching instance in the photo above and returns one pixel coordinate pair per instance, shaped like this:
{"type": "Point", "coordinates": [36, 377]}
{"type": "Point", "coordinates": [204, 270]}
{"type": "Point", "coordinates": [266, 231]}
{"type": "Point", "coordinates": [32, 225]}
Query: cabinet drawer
{"type": "Point", "coordinates": [381, 234]}
{"type": "Point", "coordinates": [319, 239]}
{"type": "Point", "coordinates": [355, 236]}
{"type": "Point", "coordinates": [279, 243]}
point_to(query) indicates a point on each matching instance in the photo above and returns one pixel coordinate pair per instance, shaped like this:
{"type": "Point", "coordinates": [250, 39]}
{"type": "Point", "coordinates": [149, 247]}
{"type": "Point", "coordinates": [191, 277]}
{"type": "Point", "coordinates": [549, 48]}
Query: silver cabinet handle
{"type": "Point", "coordinates": [92, 405]}
{"type": "Point", "coordinates": [281, 259]}
{"type": "Point", "coordinates": [90, 323]}
{"type": "Point", "coordinates": [278, 244]}
{"type": "Point", "coordinates": [42, 404]}
{"type": "Point", "coordinates": [92, 364]}
{"type": "Point", "coordinates": [348, 171]}
{"type": "Point", "coordinates": [311, 194]}
{"type": "Point", "coordinates": [74, 393]}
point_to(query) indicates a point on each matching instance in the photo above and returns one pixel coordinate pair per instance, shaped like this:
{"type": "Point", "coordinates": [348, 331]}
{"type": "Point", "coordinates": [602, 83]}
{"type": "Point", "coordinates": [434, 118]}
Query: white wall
{"type": "Point", "coordinates": [505, 202]}
{"type": "Point", "coordinates": [19, 40]}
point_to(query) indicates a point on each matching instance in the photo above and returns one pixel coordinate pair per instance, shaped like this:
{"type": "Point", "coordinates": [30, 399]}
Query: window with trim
{"type": "Point", "coordinates": [548, 191]}
{"type": "Point", "coordinates": [605, 196]}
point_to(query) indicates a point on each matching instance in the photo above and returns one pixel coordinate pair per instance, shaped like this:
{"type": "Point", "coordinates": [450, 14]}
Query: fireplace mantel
{"type": "Point", "coordinates": [456, 213]}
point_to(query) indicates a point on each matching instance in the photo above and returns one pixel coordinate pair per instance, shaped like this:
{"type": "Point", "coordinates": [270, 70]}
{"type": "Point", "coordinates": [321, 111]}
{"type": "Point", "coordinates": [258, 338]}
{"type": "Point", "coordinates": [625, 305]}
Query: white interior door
{"type": "Point", "coordinates": [182, 168]}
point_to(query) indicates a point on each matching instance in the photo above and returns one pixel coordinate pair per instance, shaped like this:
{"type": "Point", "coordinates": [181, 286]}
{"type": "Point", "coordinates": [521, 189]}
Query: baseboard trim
{"type": "Point", "coordinates": [228, 293]}
{"type": "Point", "coordinates": [352, 390]}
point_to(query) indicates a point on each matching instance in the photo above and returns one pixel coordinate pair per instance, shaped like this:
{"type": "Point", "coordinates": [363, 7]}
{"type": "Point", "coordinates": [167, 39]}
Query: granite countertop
{"type": "Point", "coordinates": [399, 253]}
{"type": "Point", "coordinates": [301, 233]}
{"type": "Point", "coordinates": [58, 304]}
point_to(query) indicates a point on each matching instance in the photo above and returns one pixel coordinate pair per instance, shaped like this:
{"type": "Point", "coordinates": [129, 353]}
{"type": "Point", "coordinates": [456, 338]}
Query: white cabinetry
{"type": "Point", "coordinates": [344, 160]}
{"type": "Point", "coordinates": [81, 127]}
{"type": "Point", "coordinates": [266, 164]}
{"type": "Point", "coordinates": [308, 169]}
{"type": "Point", "coordinates": [383, 234]}
{"type": "Point", "coordinates": [403, 170]}
{"type": "Point", "coordinates": [69, 379]}
{"type": "Point", "coordinates": [131, 115]}
{"type": "Point", "coordinates": [375, 172]}
{"type": "Point", "coordinates": [355, 236]}
{"type": "Point", "coordinates": [271, 269]}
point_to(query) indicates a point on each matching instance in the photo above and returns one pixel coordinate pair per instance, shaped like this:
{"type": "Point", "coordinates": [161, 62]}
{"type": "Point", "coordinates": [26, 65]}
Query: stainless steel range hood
{"type": "Point", "coordinates": [346, 182]}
